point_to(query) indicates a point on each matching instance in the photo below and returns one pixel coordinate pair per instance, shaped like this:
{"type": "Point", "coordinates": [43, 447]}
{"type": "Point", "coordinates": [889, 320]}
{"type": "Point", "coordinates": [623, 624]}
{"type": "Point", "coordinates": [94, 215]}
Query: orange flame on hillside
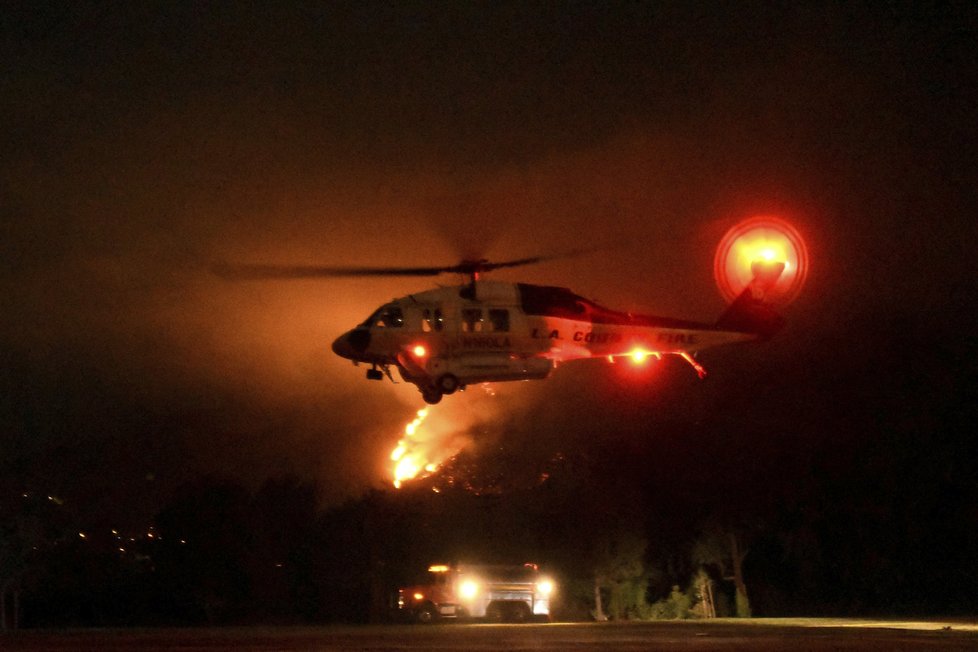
{"type": "Point", "coordinates": [407, 461]}
{"type": "Point", "coordinates": [421, 450]}
{"type": "Point", "coordinates": [438, 433]}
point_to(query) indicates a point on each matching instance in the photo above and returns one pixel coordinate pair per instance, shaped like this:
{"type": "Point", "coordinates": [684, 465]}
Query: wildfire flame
{"type": "Point", "coordinates": [407, 461]}
{"type": "Point", "coordinates": [437, 434]}
{"type": "Point", "coordinates": [419, 452]}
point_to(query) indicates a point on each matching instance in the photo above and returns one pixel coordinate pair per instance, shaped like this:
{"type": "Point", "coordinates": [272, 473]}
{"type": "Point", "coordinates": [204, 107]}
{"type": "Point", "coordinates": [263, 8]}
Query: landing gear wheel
{"type": "Point", "coordinates": [431, 395]}
{"type": "Point", "coordinates": [448, 384]}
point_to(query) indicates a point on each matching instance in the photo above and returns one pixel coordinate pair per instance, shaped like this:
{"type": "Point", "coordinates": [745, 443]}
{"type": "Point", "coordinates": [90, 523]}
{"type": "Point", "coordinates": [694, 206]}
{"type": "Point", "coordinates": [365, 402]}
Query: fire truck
{"type": "Point", "coordinates": [497, 593]}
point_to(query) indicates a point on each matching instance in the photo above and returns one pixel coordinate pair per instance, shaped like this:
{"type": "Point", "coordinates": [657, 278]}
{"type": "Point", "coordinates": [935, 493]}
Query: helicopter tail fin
{"type": "Point", "coordinates": [749, 312]}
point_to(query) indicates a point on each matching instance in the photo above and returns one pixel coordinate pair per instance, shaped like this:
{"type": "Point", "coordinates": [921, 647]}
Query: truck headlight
{"type": "Point", "coordinates": [545, 587]}
{"type": "Point", "coordinates": [468, 589]}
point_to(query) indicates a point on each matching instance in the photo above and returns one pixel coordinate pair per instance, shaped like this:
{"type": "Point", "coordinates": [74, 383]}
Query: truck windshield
{"type": "Point", "coordinates": [522, 574]}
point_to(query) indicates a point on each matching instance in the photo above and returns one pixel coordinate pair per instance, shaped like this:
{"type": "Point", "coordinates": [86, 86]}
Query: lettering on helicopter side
{"type": "Point", "coordinates": [677, 338]}
{"type": "Point", "coordinates": [485, 342]}
{"type": "Point", "coordinates": [552, 335]}
{"type": "Point", "coordinates": [591, 337]}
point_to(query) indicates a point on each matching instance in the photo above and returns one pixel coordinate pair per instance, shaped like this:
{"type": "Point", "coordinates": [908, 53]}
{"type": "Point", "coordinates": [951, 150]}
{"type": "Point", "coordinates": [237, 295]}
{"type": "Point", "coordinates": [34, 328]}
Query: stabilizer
{"type": "Point", "coordinates": [749, 312]}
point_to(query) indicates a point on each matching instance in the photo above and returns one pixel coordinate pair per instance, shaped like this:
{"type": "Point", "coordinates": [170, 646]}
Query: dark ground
{"type": "Point", "coordinates": [794, 634]}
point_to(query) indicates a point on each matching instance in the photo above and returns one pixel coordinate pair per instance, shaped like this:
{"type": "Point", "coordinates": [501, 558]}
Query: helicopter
{"type": "Point", "coordinates": [480, 331]}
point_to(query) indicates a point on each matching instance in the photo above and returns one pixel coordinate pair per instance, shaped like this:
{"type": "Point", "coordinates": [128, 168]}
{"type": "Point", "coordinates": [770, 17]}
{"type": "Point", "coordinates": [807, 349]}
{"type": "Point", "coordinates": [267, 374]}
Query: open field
{"type": "Point", "coordinates": [761, 634]}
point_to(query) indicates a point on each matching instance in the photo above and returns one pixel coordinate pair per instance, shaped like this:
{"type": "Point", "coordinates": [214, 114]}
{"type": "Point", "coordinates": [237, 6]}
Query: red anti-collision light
{"type": "Point", "coordinates": [639, 356]}
{"type": "Point", "coordinates": [756, 244]}
{"type": "Point", "coordinates": [419, 351]}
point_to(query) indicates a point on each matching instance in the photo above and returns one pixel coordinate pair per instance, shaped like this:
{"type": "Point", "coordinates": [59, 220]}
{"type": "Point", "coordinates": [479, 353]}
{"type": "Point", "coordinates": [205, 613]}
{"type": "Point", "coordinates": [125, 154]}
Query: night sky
{"type": "Point", "coordinates": [143, 141]}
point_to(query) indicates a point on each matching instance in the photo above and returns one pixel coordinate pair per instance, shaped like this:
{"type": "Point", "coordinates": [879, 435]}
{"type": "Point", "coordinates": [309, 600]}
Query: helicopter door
{"type": "Point", "coordinates": [499, 320]}
{"type": "Point", "coordinates": [485, 330]}
{"type": "Point", "coordinates": [432, 320]}
{"type": "Point", "coordinates": [480, 321]}
{"type": "Point", "coordinates": [473, 321]}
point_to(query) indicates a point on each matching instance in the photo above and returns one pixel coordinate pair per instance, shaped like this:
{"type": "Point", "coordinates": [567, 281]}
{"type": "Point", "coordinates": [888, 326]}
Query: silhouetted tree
{"type": "Point", "coordinates": [208, 551]}
{"type": "Point", "coordinates": [620, 569]}
{"type": "Point", "coordinates": [29, 526]}
{"type": "Point", "coordinates": [726, 547]}
{"type": "Point", "coordinates": [285, 514]}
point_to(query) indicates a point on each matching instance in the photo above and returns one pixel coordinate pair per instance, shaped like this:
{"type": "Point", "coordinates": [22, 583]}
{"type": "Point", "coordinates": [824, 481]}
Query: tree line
{"type": "Point", "coordinates": [627, 529]}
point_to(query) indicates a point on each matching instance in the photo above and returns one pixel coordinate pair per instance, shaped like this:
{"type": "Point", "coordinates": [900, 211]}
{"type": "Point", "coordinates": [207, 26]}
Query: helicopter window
{"type": "Point", "coordinates": [432, 320]}
{"type": "Point", "coordinates": [373, 319]}
{"type": "Point", "coordinates": [471, 320]}
{"type": "Point", "coordinates": [386, 317]}
{"type": "Point", "coordinates": [499, 320]}
{"type": "Point", "coordinates": [396, 317]}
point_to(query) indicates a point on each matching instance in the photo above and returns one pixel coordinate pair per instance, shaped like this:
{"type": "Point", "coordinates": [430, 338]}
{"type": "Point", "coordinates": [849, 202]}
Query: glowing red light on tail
{"type": "Point", "coordinates": [754, 249]}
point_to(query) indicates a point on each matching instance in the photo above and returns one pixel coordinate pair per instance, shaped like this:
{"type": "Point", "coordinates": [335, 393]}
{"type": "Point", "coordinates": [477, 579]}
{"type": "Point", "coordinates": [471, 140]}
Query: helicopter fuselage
{"type": "Point", "coordinates": [489, 331]}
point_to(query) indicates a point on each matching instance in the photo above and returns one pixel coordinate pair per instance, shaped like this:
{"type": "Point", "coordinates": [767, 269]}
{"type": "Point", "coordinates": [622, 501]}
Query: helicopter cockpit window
{"type": "Point", "coordinates": [386, 317]}
{"type": "Point", "coordinates": [432, 320]}
{"type": "Point", "coordinates": [471, 320]}
{"type": "Point", "coordinates": [499, 320]}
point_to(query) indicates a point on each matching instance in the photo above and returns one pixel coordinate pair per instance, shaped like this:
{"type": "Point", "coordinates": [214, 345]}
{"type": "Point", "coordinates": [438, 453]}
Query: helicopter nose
{"type": "Point", "coordinates": [341, 346]}
{"type": "Point", "coordinates": [351, 344]}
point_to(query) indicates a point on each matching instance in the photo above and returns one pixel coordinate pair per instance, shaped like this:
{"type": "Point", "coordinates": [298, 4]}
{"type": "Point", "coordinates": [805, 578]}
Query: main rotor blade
{"type": "Point", "coordinates": [246, 272]}
{"type": "Point", "coordinates": [487, 266]}
{"type": "Point", "coordinates": [251, 272]}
